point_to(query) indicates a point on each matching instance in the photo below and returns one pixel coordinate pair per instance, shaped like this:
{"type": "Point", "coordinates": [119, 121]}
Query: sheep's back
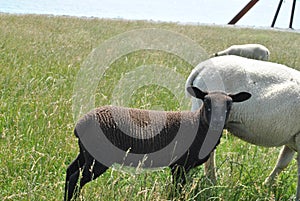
{"type": "Point", "coordinates": [141, 131]}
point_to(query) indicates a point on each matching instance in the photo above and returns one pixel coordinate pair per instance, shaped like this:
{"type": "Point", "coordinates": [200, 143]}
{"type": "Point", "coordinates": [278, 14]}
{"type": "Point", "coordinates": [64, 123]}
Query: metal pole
{"type": "Point", "coordinates": [276, 14]}
{"type": "Point", "coordinates": [292, 14]}
{"type": "Point", "coordinates": [243, 11]}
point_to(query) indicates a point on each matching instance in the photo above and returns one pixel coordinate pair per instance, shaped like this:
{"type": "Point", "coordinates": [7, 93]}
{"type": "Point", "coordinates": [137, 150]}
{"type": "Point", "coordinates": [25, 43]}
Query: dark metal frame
{"type": "Point", "coordinates": [292, 13]}
{"type": "Point", "coordinates": [253, 2]}
{"type": "Point", "coordinates": [243, 11]}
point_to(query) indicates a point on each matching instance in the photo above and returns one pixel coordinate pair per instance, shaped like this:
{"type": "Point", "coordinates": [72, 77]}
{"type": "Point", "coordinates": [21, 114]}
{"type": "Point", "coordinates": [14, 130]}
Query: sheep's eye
{"type": "Point", "coordinates": [229, 103]}
{"type": "Point", "coordinates": [206, 101]}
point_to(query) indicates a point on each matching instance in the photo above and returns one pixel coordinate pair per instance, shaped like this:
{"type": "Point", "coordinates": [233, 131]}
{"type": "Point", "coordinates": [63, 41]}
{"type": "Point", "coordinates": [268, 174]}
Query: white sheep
{"type": "Point", "coordinates": [271, 117]}
{"type": "Point", "coordinates": [116, 123]}
{"type": "Point", "coordinates": [251, 51]}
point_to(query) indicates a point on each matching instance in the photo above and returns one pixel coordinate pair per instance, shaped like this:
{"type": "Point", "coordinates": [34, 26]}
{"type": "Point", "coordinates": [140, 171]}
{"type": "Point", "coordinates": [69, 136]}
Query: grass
{"type": "Point", "coordinates": [40, 57]}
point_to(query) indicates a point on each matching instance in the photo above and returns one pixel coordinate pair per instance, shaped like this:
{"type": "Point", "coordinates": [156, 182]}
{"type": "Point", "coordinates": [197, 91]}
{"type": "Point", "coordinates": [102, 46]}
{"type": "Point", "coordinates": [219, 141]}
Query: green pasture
{"type": "Point", "coordinates": [40, 57]}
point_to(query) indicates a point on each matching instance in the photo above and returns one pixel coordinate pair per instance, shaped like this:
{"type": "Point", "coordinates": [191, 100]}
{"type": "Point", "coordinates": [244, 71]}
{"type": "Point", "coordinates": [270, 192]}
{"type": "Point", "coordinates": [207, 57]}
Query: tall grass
{"type": "Point", "coordinates": [39, 60]}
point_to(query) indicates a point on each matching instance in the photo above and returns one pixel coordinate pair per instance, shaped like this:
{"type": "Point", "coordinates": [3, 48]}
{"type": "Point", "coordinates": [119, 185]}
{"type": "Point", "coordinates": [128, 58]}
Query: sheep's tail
{"type": "Point", "coordinates": [268, 54]}
{"type": "Point", "coordinates": [221, 53]}
{"type": "Point", "coordinates": [214, 55]}
{"type": "Point", "coordinates": [75, 133]}
{"type": "Point", "coordinates": [190, 80]}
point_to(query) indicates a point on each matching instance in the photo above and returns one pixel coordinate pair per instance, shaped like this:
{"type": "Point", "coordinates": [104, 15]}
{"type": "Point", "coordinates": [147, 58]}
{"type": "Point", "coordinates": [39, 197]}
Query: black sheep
{"type": "Point", "coordinates": [143, 125]}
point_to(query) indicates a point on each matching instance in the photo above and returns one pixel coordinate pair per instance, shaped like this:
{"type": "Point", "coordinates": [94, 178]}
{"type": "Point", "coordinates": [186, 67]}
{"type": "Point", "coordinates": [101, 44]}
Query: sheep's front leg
{"type": "Point", "coordinates": [210, 168]}
{"type": "Point", "coordinates": [284, 158]}
{"type": "Point", "coordinates": [298, 185]}
{"type": "Point", "coordinates": [178, 175]}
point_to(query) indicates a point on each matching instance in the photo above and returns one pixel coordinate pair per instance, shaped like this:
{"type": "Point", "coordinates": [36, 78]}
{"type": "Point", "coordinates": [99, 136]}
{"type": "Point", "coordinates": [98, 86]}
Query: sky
{"type": "Point", "coordinates": [218, 12]}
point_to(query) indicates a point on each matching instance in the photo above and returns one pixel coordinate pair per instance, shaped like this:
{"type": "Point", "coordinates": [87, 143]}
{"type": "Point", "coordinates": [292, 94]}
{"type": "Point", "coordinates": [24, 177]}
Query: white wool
{"type": "Point", "coordinates": [271, 116]}
{"type": "Point", "coordinates": [252, 51]}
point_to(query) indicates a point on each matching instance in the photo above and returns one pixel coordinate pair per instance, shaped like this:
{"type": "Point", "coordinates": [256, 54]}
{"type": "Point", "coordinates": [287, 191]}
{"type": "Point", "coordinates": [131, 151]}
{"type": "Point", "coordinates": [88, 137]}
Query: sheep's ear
{"type": "Point", "coordinates": [240, 97]}
{"type": "Point", "coordinates": [197, 93]}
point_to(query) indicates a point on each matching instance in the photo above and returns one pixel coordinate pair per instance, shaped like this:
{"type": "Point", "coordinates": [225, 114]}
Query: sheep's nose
{"type": "Point", "coordinates": [219, 118]}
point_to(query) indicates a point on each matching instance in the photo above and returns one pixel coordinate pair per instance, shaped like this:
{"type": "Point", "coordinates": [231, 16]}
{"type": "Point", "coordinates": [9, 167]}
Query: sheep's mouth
{"type": "Point", "coordinates": [217, 124]}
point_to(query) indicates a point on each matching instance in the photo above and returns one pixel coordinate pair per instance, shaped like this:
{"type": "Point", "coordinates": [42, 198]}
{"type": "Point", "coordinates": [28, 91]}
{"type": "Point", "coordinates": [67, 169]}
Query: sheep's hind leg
{"type": "Point", "coordinates": [179, 179]}
{"type": "Point", "coordinates": [210, 168]}
{"type": "Point", "coordinates": [72, 176]}
{"type": "Point", "coordinates": [284, 158]}
{"type": "Point", "coordinates": [178, 175]}
{"type": "Point", "coordinates": [297, 140]}
{"type": "Point", "coordinates": [91, 171]}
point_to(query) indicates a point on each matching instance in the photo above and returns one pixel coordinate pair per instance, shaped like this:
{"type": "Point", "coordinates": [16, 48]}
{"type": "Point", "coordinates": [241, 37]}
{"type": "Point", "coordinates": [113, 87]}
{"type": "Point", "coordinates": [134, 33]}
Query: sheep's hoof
{"type": "Point", "coordinates": [268, 182]}
{"type": "Point", "coordinates": [212, 178]}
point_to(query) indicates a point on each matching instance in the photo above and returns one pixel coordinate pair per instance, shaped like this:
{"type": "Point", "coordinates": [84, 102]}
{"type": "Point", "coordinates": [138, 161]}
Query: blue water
{"type": "Point", "coordinates": [184, 11]}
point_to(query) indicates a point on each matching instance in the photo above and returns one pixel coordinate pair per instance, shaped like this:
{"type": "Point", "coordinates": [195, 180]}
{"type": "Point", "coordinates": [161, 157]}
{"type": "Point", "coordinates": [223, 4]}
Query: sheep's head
{"type": "Point", "coordinates": [217, 105]}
